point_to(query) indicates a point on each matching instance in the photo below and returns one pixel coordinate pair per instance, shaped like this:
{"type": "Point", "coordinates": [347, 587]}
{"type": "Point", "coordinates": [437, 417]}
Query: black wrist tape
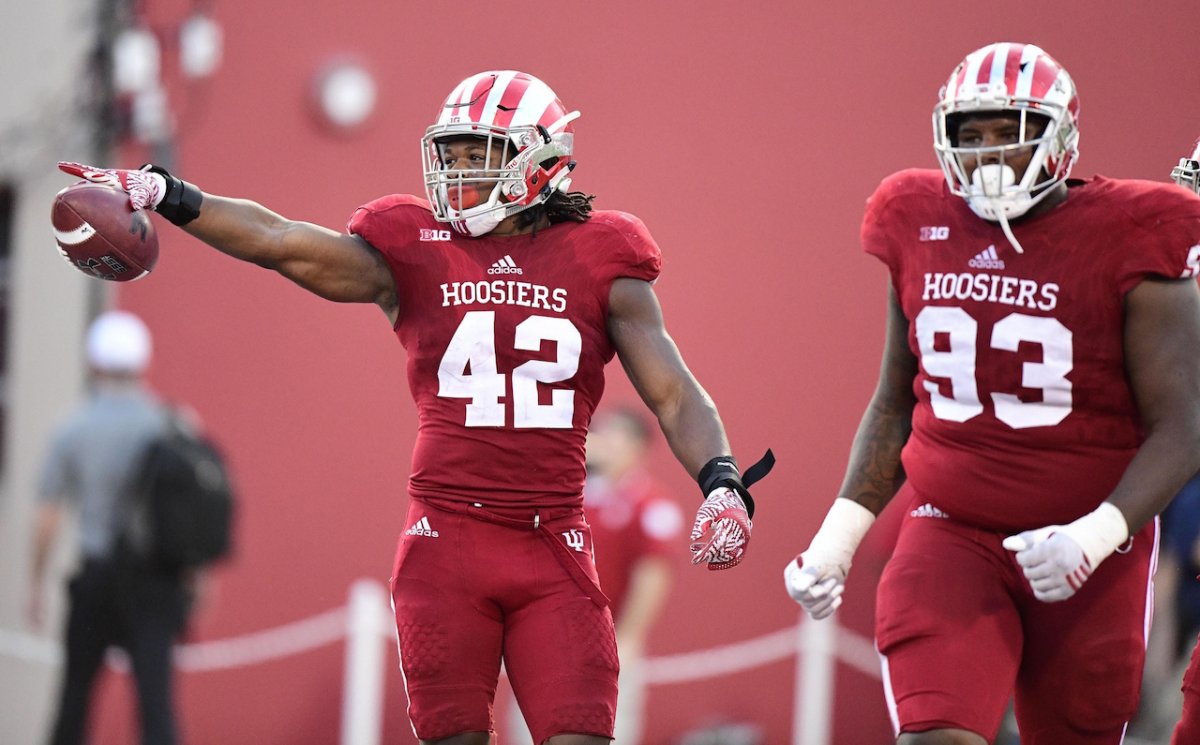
{"type": "Point", "coordinates": [181, 204]}
{"type": "Point", "coordinates": [723, 471]}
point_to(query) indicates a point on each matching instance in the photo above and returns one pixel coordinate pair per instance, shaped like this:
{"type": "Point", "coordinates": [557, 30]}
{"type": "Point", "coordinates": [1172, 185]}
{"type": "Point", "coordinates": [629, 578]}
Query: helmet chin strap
{"type": "Point", "coordinates": [1003, 220]}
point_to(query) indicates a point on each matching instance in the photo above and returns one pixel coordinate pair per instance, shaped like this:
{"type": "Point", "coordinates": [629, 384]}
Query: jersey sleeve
{"type": "Point", "coordinates": [390, 224]}
{"type": "Point", "coordinates": [634, 254]}
{"type": "Point", "coordinates": [1168, 244]}
{"type": "Point", "coordinates": [874, 234]}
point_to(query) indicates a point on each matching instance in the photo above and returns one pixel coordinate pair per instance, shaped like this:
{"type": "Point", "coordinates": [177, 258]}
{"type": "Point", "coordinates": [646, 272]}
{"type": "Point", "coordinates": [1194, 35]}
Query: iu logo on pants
{"type": "Point", "coordinates": [574, 539]}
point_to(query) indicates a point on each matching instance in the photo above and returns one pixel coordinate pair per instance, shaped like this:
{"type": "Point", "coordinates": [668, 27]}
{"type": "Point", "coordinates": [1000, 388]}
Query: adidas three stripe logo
{"type": "Point", "coordinates": [505, 266]}
{"type": "Point", "coordinates": [421, 527]}
{"type": "Point", "coordinates": [987, 259]}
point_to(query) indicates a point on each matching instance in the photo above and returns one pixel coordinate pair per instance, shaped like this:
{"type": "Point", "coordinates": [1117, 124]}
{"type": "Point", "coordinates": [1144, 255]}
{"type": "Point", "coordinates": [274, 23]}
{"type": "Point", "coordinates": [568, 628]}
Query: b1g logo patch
{"type": "Point", "coordinates": [429, 234]}
{"type": "Point", "coordinates": [935, 233]}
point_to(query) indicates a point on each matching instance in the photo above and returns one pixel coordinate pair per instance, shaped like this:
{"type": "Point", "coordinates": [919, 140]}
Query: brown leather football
{"type": "Point", "coordinates": [99, 234]}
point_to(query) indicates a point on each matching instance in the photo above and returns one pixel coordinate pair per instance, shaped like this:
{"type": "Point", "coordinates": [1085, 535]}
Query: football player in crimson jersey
{"type": "Point", "coordinates": [1038, 405]}
{"type": "Point", "coordinates": [509, 295]}
{"type": "Point", "coordinates": [1187, 731]}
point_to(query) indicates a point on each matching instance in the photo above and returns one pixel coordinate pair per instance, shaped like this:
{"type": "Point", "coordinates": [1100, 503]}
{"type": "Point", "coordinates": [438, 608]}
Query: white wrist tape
{"type": "Point", "coordinates": [841, 532]}
{"type": "Point", "coordinates": [1099, 532]}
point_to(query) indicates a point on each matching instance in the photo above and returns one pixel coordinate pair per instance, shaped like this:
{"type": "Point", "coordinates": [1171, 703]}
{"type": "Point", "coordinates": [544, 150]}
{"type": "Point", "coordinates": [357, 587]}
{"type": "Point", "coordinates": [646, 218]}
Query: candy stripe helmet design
{"type": "Point", "coordinates": [530, 138]}
{"type": "Point", "coordinates": [1187, 173]}
{"type": "Point", "coordinates": [1008, 77]}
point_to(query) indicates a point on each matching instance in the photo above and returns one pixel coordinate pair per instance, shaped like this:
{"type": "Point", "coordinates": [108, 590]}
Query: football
{"type": "Point", "coordinates": [99, 234]}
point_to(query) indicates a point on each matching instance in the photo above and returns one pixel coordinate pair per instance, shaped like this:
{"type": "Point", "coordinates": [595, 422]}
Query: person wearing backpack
{"type": "Point", "coordinates": [115, 599]}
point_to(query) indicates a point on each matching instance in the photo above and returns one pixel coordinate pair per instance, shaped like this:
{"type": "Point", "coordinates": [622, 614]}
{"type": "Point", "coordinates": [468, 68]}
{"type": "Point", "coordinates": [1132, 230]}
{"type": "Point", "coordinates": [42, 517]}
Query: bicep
{"type": "Point", "coordinates": [336, 266]}
{"type": "Point", "coordinates": [647, 352]}
{"type": "Point", "coordinates": [1162, 336]}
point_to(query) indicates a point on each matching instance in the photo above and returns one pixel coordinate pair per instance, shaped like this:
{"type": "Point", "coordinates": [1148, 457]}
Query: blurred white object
{"type": "Point", "coordinates": [152, 115]}
{"type": "Point", "coordinates": [137, 61]}
{"type": "Point", "coordinates": [118, 341]}
{"type": "Point", "coordinates": [345, 94]}
{"type": "Point", "coordinates": [201, 43]}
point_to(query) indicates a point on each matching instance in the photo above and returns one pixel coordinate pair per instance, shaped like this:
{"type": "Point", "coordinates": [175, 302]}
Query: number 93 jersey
{"type": "Point", "coordinates": [1024, 414]}
{"type": "Point", "coordinates": [507, 341]}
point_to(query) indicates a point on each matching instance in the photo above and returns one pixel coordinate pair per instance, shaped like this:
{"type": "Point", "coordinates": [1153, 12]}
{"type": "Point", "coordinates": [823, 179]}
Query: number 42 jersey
{"type": "Point", "coordinates": [1024, 413]}
{"type": "Point", "coordinates": [507, 340]}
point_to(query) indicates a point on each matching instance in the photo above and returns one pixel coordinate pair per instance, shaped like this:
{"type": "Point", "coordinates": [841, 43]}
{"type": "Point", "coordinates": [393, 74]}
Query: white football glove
{"type": "Point", "coordinates": [721, 531]}
{"type": "Point", "coordinates": [1058, 559]}
{"type": "Point", "coordinates": [817, 577]}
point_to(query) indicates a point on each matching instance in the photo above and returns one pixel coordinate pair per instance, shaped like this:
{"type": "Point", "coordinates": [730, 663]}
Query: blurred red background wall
{"type": "Point", "coordinates": [747, 136]}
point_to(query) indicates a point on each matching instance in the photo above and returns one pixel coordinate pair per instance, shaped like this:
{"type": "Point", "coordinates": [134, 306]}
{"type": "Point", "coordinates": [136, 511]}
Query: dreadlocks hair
{"type": "Point", "coordinates": [573, 206]}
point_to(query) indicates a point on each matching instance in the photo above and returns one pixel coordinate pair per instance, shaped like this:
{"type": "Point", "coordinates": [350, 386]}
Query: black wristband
{"type": "Point", "coordinates": [723, 471]}
{"type": "Point", "coordinates": [181, 204]}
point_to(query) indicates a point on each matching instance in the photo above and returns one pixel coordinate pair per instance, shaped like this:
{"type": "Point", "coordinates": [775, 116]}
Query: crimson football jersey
{"type": "Point", "coordinates": [507, 340]}
{"type": "Point", "coordinates": [1024, 414]}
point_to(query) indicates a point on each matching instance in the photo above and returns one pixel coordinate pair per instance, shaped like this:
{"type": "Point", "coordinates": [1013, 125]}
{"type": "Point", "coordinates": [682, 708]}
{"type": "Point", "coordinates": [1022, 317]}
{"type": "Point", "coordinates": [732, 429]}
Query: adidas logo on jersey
{"type": "Point", "coordinates": [986, 259]}
{"type": "Point", "coordinates": [505, 266]}
{"type": "Point", "coordinates": [928, 510]}
{"type": "Point", "coordinates": [421, 527]}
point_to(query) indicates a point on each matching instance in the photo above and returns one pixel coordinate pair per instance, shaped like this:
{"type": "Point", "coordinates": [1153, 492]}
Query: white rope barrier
{"type": "Point", "coordinates": [263, 646]}
{"type": "Point", "coordinates": [724, 660]}
{"type": "Point", "coordinates": [366, 624]}
{"type": "Point", "coordinates": [331, 627]}
{"type": "Point", "coordinates": [221, 654]}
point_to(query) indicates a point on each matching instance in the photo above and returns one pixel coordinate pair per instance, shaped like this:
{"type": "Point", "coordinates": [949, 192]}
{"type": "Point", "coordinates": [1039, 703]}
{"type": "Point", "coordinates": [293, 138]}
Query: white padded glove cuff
{"type": "Point", "coordinates": [841, 532]}
{"type": "Point", "coordinates": [1099, 533]}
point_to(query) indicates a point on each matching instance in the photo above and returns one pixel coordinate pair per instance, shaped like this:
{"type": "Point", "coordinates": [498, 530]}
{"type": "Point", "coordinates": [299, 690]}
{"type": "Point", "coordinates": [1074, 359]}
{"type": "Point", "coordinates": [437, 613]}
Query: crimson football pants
{"type": "Point", "coordinates": [472, 586]}
{"type": "Point", "coordinates": [959, 630]}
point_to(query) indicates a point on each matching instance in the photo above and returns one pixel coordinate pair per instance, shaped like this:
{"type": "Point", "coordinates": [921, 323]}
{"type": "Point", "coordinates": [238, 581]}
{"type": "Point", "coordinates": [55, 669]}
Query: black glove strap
{"type": "Point", "coordinates": [181, 204]}
{"type": "Point", "coordinates": [723, 471]}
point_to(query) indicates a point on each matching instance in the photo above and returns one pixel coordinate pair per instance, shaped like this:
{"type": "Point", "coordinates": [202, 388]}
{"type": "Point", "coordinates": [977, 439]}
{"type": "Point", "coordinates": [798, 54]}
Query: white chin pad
{"type": "Point", "coordinates": [476, 225]}
{"type": "Point", "coordinates": [992, 179]}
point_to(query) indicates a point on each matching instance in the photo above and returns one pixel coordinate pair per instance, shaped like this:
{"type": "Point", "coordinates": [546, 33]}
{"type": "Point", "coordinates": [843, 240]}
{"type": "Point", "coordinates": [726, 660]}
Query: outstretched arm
{"type": "Point", "coordinates": [333, 265]}
{"type": "Point", "coordinates": [336, 266]}
{"type": "Point", "coordinates": [817, 577]}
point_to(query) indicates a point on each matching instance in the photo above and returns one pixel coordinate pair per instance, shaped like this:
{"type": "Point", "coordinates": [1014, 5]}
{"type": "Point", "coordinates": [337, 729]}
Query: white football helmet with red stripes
{"type": "Point", "coordinates": [1008, 77]}
{"type": "Point", "coordinates": [529, 135]}
{"type": "Point", "coordinates": [1187, 173]}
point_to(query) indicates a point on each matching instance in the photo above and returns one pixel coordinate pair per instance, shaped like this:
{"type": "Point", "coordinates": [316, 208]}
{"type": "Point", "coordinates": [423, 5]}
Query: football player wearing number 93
{"type": "Point", "coordinates": [1038, 405]}
{"type": "Point", "coordinates": [509, 295]}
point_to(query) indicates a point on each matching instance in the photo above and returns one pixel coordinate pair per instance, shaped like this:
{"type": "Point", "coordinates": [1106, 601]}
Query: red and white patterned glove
{"type": "Point", "coordinates": [1058, 559]}
{"type": "Point", "coordinates": [145, 189]}
{"type": "Point", "coordinates": [721, 530]}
